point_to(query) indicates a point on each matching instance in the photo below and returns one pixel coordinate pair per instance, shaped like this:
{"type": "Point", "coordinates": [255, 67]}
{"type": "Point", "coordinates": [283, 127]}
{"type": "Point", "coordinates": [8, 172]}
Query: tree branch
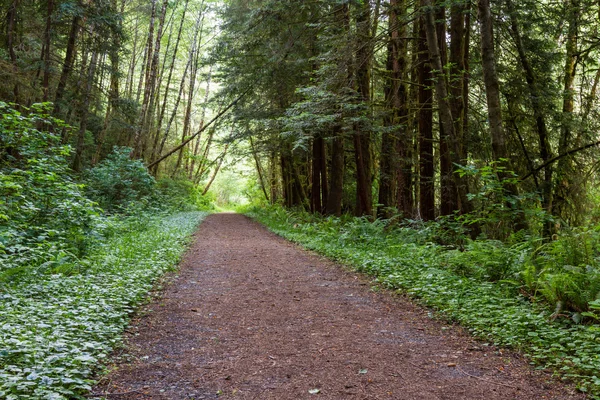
{"type": "Point", "coordinates": [185, 142]}
{"type": "Point", "coordinates": [558, 157]}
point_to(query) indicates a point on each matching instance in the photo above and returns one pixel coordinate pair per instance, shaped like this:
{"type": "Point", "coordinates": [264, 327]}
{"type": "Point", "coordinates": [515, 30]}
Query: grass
{"type": "Point", "coordinates": [492, 311]}
{"type": "Point", "coordinates": [56, 329]}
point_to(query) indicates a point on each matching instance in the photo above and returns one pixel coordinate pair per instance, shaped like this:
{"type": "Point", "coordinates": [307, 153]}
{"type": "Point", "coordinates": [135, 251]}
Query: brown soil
{"type": "Point", "coordinates": [252, 316]}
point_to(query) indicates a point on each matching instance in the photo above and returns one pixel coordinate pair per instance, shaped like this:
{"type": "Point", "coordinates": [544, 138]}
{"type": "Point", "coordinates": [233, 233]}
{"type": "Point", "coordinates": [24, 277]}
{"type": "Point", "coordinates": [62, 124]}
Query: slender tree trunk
{"type": "Point", "coordinates": [194, 56]}
{"type": "Point", "coordinates": [147, 76]}
{"type": "Point", "coordinates": [447, 121]}
{"type": "Point", "coordinates": [113, 96]}
{"type": "Point", "coordinates": [458, 45]}
{"type": "Point", "coordinates": [133, 61]}
{"type": "Point", "coordinates": [47, 51]}
{"type": "Point", "coordinates": [425, 95]}
{"type": "Point", "coordinates": [318, 154]}
{"type": "Point", "coordinates": [216, 172]}
{"type": "Point", "coordinates": [336, 187]}
{"type": "Point", "coordinates": [362, 137]}
{"type": "Point", "coordinates": [449, 192]}
{"type": "Point", "coordinates": [564, 188]}
{"type": "Point", "coordinates": [545, 150]}
{"type": "Point", "coordinates": [492, 91]}
{"type": "Point", "coordinates": [259, 170]}
{"type": "Point", "coordinates": [148, 105]}
{"type": "Point", "coordinates": [404, 196]}
{"type": "Point", "coordinates": [389, 160]}
{"type": "Point", "coordinates": [11, 31]}
{"type": "Point", "coordinates": [163, 106]}
{"type": "Point", "coordinates": [79, 150]}
{"type": "Point", "coordinates": [333, 204]}
{"type": "Point", "coordinates": [202, 119]}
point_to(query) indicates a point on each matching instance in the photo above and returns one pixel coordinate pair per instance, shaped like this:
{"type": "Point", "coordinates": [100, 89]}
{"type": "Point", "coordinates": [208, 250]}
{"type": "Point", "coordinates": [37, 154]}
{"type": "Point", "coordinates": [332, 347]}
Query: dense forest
{"type": "Point", "coordinates": [467, 129]}
{"type": "Point", "coordinates": [375, 108]}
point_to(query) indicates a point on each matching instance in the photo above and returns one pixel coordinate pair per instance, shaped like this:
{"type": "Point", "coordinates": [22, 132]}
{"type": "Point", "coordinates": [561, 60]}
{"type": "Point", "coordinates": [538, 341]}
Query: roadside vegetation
{"type": "Point", "coordinates": [77, 254]}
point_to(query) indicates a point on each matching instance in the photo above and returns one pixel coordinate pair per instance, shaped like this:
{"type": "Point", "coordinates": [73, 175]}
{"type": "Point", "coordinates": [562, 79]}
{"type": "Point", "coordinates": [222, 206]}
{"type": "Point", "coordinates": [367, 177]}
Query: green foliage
{"type": "Point", "coordinates": [566, 271]}
{"type": "Point", "coordinates": [45, 216]}
{"type": "Point", "coordinates": [182, 195]}
{"type": "Point", "coordinates": [457, 282]}
{"type": "Point", "coordinates": [119, 180]}
{"type": "Point", "coordinates": [56, 329]}
{"type": "Point", "coordinates": [497, 210]}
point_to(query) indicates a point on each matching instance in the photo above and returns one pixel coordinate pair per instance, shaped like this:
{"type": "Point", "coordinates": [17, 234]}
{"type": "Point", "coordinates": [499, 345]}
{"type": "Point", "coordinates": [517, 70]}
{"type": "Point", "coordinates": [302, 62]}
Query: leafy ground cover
{"type": "Point", "coordinates": [498, 312]}
{"type": "Point", "coordinates": [56, 329]}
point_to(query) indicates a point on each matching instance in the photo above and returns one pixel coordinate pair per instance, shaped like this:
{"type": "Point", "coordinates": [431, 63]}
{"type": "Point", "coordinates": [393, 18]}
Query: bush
{"type": "Point", "coordinates": [119, 180]}
{"type": "Point", "coordinates": [46, 219]}
{"type": "Point", "coordinates": [182, 195]}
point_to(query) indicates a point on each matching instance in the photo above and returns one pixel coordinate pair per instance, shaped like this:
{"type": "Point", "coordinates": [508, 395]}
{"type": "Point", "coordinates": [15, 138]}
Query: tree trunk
{"type": "Point", "coordinates": [46, 57]}
{"type": "Point", "coordinates": [194, 57]}
{"type": "Point", "coordinates": [447, 121]}
{"type": "Point", "coordinates": [426, 163]}
{"type": "Point", "coordinates": [362, 137]}
{"type": "Point", "coordinates": [449, 192]}
{"type": "Point", "coordinates": [564, 189]}
{"type": "Point", "coordinates": [214, 175]}
{"type": "Point", "coordinates": [155, 147]}
{"type": "Point", "coordinates": [318, 192]}
{"type": "Point", "coordinates": [148, 105]}
{"type": "Point", "coordinates": [336, 186]}
{"type": "Point", "coordinates": [389, 160]}
{"type": "Point", "coordinates": [545, 150]}
{"type": "Point", "coordinates": [259, 170]}
{"type": "Point", "coordinates": [114, 94]}
{"type": "Point", "coordinates": [11, 31]}
{"type": "Point", "coordinates": [79, 150]}
{"type": "Point", "coordinates": [146, 76]}
{"type": "Point", "coordinates": [492, 91]}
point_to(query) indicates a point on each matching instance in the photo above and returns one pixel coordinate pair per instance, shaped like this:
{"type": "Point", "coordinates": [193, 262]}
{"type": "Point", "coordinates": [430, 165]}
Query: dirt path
{"type": "Point", "coordinates": [252, 316]}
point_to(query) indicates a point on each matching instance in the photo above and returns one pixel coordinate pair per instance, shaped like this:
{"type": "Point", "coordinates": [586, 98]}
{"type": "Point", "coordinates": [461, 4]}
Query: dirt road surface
{"type": "Point", "coordinates": [252, 316]}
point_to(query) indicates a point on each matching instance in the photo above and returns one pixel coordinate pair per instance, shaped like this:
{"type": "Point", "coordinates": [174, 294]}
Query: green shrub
{"type": "Point", "coordinates": [119, 180]}
{"type": "Point", "coordinates": [44, 213]}
{"type": "Point", "coordinates": [182, 195]}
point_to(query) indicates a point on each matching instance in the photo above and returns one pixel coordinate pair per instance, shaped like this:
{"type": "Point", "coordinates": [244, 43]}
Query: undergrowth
{"type": "Point", "coordinates": [56, 328]}
{"type": "Point", "coordinates": [502, 292]}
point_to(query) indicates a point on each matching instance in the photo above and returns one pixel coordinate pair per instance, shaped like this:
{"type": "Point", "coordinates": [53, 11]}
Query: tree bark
{"type": "Point", "coordinates": [47, 46]}
{"type": "Point", "coordinates": [564, 188]}
{"type": "Point", "coordinates": [147, 75]}
{"type": "Point", "coordinates": [447, 122]}
{"type": "Point", "coordinates": [492, 91]}
{"type": "Point", "coordinates": [362, 137]}
{"type": "Point", "coordinates": [11, 31]}
{"type": "Point", "coordinates": [427, 160]}
{"type": "Point", "coordinates": [85, 105]}
{"type": "Point", "coordinates": [545, 151]}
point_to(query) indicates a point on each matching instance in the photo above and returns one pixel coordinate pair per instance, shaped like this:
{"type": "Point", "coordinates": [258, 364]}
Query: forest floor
{"type": "Point", "coordinates": [252, 316]}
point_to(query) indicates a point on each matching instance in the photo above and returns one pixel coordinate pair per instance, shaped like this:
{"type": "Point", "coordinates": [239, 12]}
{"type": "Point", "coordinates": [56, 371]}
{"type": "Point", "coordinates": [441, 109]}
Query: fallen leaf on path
{"type": "Point", "coordinates": [314, 391]}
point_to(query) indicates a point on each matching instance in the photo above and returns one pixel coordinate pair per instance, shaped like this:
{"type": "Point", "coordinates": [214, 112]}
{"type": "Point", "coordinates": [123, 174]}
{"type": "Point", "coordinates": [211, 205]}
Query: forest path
{"type": "Point", "coordinates": [252, 316]}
